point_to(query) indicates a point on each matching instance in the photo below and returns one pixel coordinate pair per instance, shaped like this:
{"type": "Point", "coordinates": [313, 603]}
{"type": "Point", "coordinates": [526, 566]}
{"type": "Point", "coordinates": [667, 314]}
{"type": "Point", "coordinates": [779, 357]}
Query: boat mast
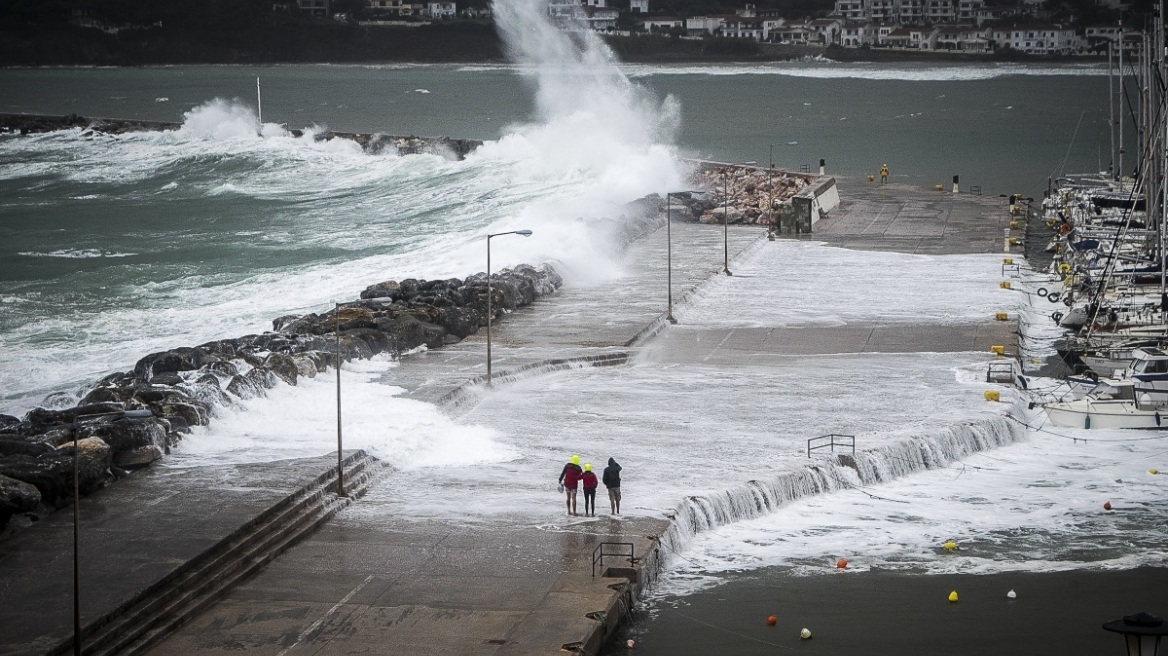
{"type": "Point", "coordinates": [1110, 113]}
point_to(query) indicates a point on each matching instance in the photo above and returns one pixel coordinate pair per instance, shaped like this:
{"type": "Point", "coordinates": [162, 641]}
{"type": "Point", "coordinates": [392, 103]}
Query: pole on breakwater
{"type": "Point", "coordinates": [525, 233]}
{"type": "Point", "coordinates": [956, 186]}
{"type": "Point", "coordinates": [340, 448]}
{"type": "Point", "coordinates": [259, 104]}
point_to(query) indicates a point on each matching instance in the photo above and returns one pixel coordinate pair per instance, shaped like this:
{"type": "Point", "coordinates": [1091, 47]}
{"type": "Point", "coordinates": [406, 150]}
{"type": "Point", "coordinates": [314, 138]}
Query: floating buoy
{"type": "Point", "coordinates": [629, 643]}
{"type": "Point", "coordinates": [1011, 595]}
{"type": "Point", "coordinates": [953, 596]}
{"type": "Point", "coordinates": [772, 620]}
{"type": "Point", "coordinates": [1153, 471]}
{"type": "Point", "coordinates": [1107, 505]}
{"type": "Point", "coordinates": [805, 634]}
{"type": "Point", "coordinates": [950, 546]}
{"type": "Point", "coordinates": [841, 563]}
{"type": "Point", "coordinates": [992, 395]}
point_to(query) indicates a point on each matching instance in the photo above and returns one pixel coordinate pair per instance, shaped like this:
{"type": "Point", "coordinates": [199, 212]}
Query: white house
{"type": "Point", "coordinates": [441, 9]}
{"type": "Point", "coordinates": [856, 34]}
{"type": "Point", "coordinates": [661, 23]}
{"type": "Point", "coordinates": [703, 25]}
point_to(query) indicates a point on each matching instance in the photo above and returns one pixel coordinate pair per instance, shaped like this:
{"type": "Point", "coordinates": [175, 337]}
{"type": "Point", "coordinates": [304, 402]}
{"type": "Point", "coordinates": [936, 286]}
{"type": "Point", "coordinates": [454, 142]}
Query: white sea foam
{"type": "Point", "coordinates": [916, 72]}
{"type": "Point", "coordinates": [77, 254]}
{"type": "Point", "coordinates": [301, 421]}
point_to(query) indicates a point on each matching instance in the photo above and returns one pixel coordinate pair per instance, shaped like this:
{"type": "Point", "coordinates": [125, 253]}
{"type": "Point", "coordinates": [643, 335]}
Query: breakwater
{"type": "Point", "coordinates": [371, 142]}
{"type": "Point", "coordinates": [130, 419]}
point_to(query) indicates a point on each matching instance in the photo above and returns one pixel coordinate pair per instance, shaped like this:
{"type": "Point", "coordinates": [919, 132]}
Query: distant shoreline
{"type": "Point", "coordinates": [453, 43]}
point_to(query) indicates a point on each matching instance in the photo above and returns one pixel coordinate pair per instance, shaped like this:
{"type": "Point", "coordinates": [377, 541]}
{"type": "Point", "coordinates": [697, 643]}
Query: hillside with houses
{"type": "Point", "coordinates": [121, 32]}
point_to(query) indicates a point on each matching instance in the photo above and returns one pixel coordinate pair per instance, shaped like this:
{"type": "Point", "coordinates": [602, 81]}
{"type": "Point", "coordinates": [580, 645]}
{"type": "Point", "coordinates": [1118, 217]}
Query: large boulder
{"type": "Point", "coordinates": [16, 497]}
{"type": "Point", "coordinates": [126, 434]}
{"type": "Point", "coordinates": [52, 473]}
{"type": "Point", "coordinates": [185, 358]}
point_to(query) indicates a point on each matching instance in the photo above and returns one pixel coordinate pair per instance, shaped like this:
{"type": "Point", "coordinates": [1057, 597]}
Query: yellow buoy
{"type": "Point", "coordinates": [950, 546]}
{"type": "Point", "coordinates": [1153, 471]}
{"type": "Point", "coordinates": [1064, 268]}
{"type": "Point", "coordinates": [1005, 284]}
{"type": "Point", "coordinates": [1002, 316]}
{"type": "Point", "coordinates": [953, 596]}
{"type": "Point", "coordinates": [992, 395]}
{"type": "Point", "coordinates": [998, 349]}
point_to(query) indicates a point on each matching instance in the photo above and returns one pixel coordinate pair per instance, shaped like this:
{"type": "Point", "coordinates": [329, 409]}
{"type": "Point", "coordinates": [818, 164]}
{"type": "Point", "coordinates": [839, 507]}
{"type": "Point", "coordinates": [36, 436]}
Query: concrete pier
{"type": "Point", "coordinates": [367, 582]}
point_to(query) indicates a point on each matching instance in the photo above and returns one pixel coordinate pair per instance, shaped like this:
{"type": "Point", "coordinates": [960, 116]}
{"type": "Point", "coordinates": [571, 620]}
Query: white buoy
{"type": "Point", "coordinates": [1011, 595]}
{"type": "Point", "coordinates": [805, 634]}
{"type": "Point", "coordinates": [630, 643]}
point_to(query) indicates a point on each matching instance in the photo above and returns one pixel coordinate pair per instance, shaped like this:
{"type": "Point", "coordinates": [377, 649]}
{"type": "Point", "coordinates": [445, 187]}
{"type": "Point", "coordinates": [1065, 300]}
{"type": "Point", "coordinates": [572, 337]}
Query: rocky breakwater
{"type": "Point", "coordinates": [741, 194]}
{"type": "Point", "coordinates": [129, 419]}
{"type": "Point", "coordinates": [375, 143]}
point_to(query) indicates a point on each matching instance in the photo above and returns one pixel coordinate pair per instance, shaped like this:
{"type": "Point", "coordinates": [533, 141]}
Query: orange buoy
{"type": "Point", "coordinates": [1107, 505]}
{"type": "Point", "coordinates": [772, 620]}
{"type": "Point", "coordinates": [841, 563]}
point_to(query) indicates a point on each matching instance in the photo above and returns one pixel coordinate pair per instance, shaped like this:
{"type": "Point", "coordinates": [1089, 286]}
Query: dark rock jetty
{"type": "Point", "coordinates": [130, 419]}
{"type": "Point", "coordinates": [374, 143]}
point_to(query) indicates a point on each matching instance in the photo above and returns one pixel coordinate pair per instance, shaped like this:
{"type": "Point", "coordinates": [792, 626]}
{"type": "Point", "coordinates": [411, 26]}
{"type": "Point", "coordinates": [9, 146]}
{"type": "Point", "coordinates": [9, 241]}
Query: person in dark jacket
{"type": "Point", "coordinates": [570, 478]}
{"type": "Point", "coordinates": [611, 479]}
{"type": "Point", "coordinates": [589, 483]}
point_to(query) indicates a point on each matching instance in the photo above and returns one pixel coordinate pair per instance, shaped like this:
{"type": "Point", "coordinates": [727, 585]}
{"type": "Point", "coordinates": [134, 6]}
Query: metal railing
{"type": "Point", "coordinates": [831, 440]}
{"type": "Point", "coordinates": [598, 554]}
{"type": "Point", "coordinates": [1001, 372]}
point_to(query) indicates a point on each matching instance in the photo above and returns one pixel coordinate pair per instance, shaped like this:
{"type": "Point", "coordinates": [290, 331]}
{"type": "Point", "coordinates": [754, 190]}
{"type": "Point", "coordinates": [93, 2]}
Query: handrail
{"type": "Point", "coordinates": [832, 440]}
{"type": "Point", "coordinates": [599, 553]}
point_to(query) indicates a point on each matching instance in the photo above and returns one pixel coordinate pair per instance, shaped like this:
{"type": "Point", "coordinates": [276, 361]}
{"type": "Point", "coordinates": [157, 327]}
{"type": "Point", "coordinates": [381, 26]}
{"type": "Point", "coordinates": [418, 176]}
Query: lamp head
{"type": "Point", "coordinates": [525, 233]}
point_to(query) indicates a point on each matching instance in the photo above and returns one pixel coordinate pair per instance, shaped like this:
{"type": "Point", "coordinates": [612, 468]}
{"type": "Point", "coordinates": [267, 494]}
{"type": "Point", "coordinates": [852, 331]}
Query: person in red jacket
{"type": "Point", "coordinates": [589, 481]}
{"type": "Point", "coordinates": [569, 478]}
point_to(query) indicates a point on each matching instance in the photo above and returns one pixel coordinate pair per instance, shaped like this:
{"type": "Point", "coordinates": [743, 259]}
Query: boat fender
{"type": "Point", "coordinates": [1057, 317]}
{"type": "Point", "coordinates": [1087, 422]}
{"type": "Point", "coordinates": [1022, 381]}
{"type": "Point", "coordinates": [1092, 375]}
{"type": "Point", "coordinates": [1157, 417]}
{"type": "Point", "coordinates": [1053, 297]}
{"type": "Point", "coordinates": [1041, 291]}
{"type": "Point", "coordinates": [1068, 301]}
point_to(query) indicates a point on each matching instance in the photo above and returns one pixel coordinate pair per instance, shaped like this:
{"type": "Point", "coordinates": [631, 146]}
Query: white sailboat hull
{"type": "Point", "coordinates": [1096, 413]}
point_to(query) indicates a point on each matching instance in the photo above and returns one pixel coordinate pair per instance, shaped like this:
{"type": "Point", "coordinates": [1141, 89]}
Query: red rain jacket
{"type": "Point", "coordinates": [589, 479]}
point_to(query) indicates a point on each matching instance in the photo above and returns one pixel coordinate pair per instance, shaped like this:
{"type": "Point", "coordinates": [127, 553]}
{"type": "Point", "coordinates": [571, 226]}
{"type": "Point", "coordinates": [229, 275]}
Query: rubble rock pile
{"type": "Point", "coordinates": [739, 194]}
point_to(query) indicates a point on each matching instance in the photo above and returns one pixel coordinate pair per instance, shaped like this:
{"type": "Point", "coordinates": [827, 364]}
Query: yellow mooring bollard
{"type": "Point", "coordinates": [1002, 316]}
{"type": "Point", "coordinates": [998, 349]}
{"type": "Point", "coordinates": [1007, 260]}
{"type": "Point", "coordinates": [992, 395]}
{"type": "Point", "coordinates": [1005, 284]}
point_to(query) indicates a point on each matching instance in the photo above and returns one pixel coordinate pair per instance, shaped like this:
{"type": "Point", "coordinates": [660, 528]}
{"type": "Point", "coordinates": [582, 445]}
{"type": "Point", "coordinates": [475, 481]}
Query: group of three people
{"type": "Point", "coordinates": [572, 475]}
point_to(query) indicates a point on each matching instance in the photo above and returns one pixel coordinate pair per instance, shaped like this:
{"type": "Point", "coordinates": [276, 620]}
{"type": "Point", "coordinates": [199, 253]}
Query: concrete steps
{"type": "Point", "coordinates": [145, 620]}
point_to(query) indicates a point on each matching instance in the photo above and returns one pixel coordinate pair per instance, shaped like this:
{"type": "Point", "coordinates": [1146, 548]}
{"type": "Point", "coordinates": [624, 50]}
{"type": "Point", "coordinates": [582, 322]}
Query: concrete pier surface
{"type": "Point", "coordinates": [370, 581]}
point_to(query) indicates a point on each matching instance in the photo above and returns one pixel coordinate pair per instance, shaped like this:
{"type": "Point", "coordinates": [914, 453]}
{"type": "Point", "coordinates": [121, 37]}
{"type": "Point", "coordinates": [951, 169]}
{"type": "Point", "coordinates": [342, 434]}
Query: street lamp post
{"type": "Point", "coordinates": [726, 216]}
{"type": "Point", "coordinates": [669, 250]}
{"type": "Point", "coordinates": [1141, 632]}
{"type": "Point", "coordinates": [726, 221]}
{"type": "Point", "coordinates": [525, 233]}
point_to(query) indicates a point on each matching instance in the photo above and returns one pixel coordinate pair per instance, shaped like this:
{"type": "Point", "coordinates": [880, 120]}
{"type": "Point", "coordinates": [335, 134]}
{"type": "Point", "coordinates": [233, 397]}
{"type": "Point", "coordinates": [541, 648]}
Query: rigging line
{"type": "Point", "coordinates": [732, 632]}
{"type": "Point", "coordinates": [1063, 166]}
{"type": "Point", "coordinates": [861, 489]}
